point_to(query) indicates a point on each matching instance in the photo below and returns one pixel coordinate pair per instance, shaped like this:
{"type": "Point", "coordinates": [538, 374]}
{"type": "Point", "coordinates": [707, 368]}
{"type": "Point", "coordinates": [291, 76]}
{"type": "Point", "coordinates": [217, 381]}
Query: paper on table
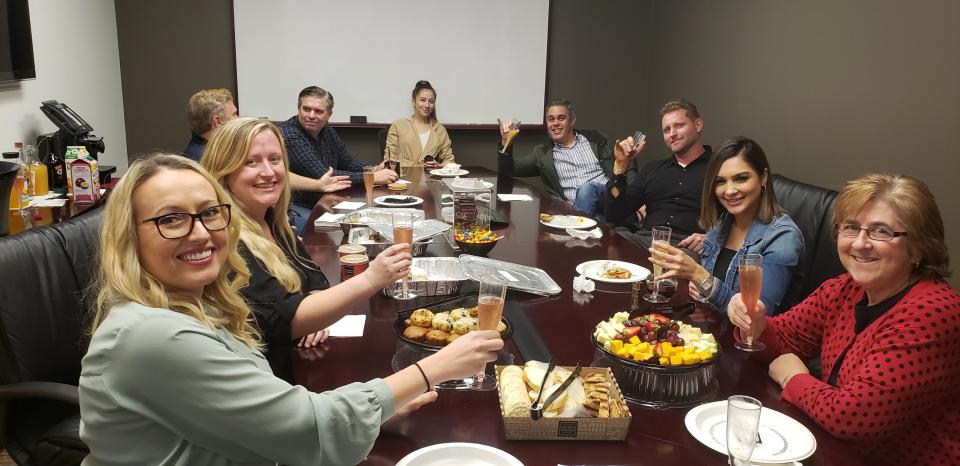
{"type": "Point", "coordinates": [402, 182]}
{"type": "Point", "coordinates": [582, 284]}
{"type": "Point", "coordinates": [348, 326]}
{"type": "Point", "coordinates": [48, 203]}
{"type": "Point", "coordinates": [582, 234]}
{"type": "Point", "coordinates": [349, 205]}
{"type": "Point", "coordinates": [514, 197]}
{"type": "Point", "coordinates": [328, 219]}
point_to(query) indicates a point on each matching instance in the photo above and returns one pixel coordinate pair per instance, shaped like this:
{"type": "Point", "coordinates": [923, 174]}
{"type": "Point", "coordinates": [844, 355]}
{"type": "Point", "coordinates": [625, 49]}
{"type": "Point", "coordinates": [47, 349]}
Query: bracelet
{"type": "Point", "coordinates": [783, 382]}
{"type": "Point", "coordinates": [425, 379]}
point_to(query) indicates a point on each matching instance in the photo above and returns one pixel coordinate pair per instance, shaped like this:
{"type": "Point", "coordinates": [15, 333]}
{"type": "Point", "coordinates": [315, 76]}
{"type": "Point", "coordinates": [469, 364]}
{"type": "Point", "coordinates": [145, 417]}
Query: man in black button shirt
{"type": "Point", "coordinates": [670, 188]}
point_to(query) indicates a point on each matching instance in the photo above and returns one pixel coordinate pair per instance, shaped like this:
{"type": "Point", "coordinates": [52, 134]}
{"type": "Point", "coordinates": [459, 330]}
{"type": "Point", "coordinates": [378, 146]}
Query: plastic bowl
{"type": "Point", "coordinates": [477, 249]}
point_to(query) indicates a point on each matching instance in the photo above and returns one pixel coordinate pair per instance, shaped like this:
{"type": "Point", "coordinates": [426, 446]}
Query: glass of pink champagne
{"type": "Point", "coordinates": [493, 294]}
{"type": "Point", "coordinates": [751, 280]}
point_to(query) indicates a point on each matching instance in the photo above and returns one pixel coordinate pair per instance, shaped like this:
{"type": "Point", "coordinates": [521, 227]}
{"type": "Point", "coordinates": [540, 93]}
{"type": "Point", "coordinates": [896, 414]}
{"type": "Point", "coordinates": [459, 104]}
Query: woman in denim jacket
{"type": "Point", "coordinates": [741, 214]}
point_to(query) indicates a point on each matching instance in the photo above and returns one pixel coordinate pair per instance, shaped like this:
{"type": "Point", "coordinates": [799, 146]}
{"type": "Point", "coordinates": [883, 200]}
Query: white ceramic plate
{"type": "Point", "coordinates": [382, 200]}
{"type": "Point", "coordinates": [784, 439]}
{"type": "Point", "coordinates": [471, 184]}
{"type": "Point", "coordinates": [593, 270]}
{"type": "Point", "coordinates": [440, 172]}
{"type": "Point", "coordinates": [459, 454]}
{"type": "Point", "coordinates": [570, 221]}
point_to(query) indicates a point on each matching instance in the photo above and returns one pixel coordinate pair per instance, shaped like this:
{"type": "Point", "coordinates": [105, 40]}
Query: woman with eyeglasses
{"type": "Point", "coordinates": [289, 295]}
{"type": "Point", "coordinates": [174, 374]}
{"type": "Point", "coordinates": [887, 331]}
{"type": "Point", "coordinates": [740, 212]}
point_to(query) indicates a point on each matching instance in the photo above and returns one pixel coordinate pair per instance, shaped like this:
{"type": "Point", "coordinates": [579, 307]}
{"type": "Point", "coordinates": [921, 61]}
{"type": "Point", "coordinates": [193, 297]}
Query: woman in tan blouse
{"type": "Point", "coordinates": [411, 140]}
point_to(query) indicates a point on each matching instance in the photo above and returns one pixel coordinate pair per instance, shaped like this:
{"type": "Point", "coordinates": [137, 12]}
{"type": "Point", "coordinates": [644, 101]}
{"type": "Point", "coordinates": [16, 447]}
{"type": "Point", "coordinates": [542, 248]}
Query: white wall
{"type": "Point", "coordinates": [78, 63]}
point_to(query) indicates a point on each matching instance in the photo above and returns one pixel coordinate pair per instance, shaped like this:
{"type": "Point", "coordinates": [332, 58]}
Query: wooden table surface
{"type": "Point", "coordinates": [565, 323]}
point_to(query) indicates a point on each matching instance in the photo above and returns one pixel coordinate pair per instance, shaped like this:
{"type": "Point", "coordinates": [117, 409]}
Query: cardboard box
{"type": "Point", "coordinates": [83, 175]}
{"type": "Point", "coordinates": [567, 428]}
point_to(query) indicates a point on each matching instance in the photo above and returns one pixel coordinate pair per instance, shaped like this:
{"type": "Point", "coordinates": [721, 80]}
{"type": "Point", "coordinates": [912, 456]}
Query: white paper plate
{"type": "Point", "coordinates": [784, 439]}
{"type": "Point", "coordinates": [382, 200]}
{"type": "Point", "coordinates": [471, 184]}
{"type": "Point", "coordinates": [440, 172]}
{"type": "Point", "coordinates": [592, 270]}
{"type": "Point", "coordinates": [570, 221]}
{"type": "Point", "coordinates": [459, 454]}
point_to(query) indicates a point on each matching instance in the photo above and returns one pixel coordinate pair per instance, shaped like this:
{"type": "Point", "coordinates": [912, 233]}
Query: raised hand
{"type": "Point", "coordinates": [330, 182]}
{"type": "Point", "coordinates": [693, 242]}
{"type": "Point", "coordinates": [676, 263]}
{"type": "Point", "coordinates": [382, 176]}
{"type": "Point", "coordinates": [755, 323]}
{"type": "Point", "coordinates": [464, 357]}
{"type": "Point", "coordinates": [625, 151]}
{"type": "Point", "coordinates": [389, 266]}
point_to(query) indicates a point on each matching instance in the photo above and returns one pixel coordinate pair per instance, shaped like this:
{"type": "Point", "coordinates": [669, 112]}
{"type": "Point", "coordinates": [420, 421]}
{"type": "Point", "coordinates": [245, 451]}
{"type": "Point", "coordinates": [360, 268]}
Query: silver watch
{"type": "Point", "coordinates": [705, 288]}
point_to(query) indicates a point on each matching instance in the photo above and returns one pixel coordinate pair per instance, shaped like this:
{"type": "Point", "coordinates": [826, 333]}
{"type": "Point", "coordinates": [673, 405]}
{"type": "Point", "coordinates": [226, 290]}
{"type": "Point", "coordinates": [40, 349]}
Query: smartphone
{"type": "Point", "coordinates": [427, 158]}
{"type": "Point", "coordinates": [638, 137]}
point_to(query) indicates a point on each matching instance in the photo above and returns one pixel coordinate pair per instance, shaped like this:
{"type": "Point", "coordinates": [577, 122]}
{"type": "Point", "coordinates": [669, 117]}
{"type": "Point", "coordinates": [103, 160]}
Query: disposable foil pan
{"type": "Point", "coordinates": [445, 277]}
{"type": "Point", "coordinates": [517, 276]}
{"type": "Point", "coordinates": [656, 386]}
{"type": "Point", "coordinates": [362, 236]}
{"type": "Point", "coordinates": [375, 215]}
{"type": "Point", "coordinates": [422, 229]}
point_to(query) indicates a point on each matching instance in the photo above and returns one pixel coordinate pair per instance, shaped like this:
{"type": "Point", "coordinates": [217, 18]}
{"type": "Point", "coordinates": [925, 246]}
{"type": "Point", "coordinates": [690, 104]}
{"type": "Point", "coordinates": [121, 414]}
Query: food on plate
{"type": "Point", "coordinates": [459, 313]}
{"type": "Point", "coordinates": [502, 327]}
{"type": "Point", "coordinates": [437, 337]}
{"type": "Point", "coordinates": [415, 333]}
{"type": "Point", "coordinates": [399, 200]}
{"type": "Point", "coordinates": [397, 186]}
{"type": "Point", "coordinates": [464, 325]}
{"type": "Point", "coordinates": [422, 318]}
{"type": "Point", "coordinates": [513, 392]}
{"type": "Point", "coordinates": [615, 272]}
{"type": "Point", "coordinates": [442, 321]}
{"type": "Point", "coordinates": [655, 339]}
{"type": "Point", "coordinates": [584, 397]}
{"type": "Point", "coordinates": [546, 218]}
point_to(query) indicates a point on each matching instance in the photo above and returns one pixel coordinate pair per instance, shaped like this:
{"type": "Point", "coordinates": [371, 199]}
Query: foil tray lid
{"type": "Point", "coordinates": [519, 277]}
{"type": "Point", "coordinates": [422, 229]}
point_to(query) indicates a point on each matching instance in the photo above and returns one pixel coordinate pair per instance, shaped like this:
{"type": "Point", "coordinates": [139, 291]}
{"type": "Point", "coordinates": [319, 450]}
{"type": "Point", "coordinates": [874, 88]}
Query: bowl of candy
{"type": "Point", "coordinates": [476, 242]}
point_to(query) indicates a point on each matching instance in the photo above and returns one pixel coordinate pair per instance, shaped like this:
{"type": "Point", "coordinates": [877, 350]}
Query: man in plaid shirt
{"type": "Point", "coordinates": [319, 160]}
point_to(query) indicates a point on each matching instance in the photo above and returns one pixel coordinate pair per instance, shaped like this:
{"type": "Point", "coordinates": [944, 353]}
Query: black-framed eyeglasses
{"type": "Point", "coordinates": [874, 232]}
{"type": "Point", "coordinates": [179, 224]}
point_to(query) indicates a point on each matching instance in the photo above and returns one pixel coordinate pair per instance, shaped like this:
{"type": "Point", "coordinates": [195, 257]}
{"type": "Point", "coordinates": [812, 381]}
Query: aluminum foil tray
{"type": "Point", "coordinates": [422, 229]}
{"type": "Point", "coordinates": [362, 236]}
{"type": "Point", "coordinates": [519, 277]}
{"type": "Point", "coordinates": [375, 215]}
{"type": "Point", "coordinates": [445, 275]}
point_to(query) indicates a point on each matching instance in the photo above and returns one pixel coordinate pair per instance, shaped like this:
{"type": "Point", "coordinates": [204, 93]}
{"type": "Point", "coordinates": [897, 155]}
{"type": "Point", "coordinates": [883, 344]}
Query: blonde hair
{"type": "Point", "coordinates": [121, 277]}
{"type": "Point", "coordinates": [225, 154]}
{"type": "Point", "coordinates": [915, 207]}
{"type": "Point", "coordinates": [203, 105]}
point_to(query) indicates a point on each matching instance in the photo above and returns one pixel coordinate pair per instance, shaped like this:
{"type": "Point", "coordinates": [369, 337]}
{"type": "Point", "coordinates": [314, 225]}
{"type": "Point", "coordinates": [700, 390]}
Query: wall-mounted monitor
{"type": "Point", "coordinates": [16, 41]}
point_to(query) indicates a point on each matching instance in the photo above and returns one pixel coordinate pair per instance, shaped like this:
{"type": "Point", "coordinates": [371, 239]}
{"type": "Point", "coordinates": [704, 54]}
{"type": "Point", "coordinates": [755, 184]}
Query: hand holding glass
{"type": "Point", "coordinates": [512, 132]}
{"type": "Point", "coordinates": [660, 234]}
{"type": "Point", "coordinates": [743, 424]}
{"type": "Point", "coordinates": [751, 281]}
{"type": "Point", "coordinates": [403, 233]}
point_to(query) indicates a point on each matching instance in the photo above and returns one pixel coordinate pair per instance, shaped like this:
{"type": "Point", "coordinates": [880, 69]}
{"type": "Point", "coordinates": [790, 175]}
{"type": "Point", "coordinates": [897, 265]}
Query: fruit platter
{"type": "Point", "coordinates": [658, 362]}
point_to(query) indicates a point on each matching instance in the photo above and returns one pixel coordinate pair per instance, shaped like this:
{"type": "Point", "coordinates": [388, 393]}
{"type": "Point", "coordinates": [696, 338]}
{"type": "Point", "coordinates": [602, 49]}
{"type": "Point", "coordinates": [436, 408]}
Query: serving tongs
{"type": "Point", "coordinates": [536, 408]}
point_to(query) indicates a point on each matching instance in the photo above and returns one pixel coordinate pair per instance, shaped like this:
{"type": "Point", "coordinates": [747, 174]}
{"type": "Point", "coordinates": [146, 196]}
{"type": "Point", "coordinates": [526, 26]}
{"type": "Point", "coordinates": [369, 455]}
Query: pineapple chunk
{"type": "Point", "coordinates": [645, 347]}
{"type": "Point", "coordinates": [634, 340]}
{"type": "Point", "coordinates": [690, 358]}
{"type": "Point", "coordinates": [616, 345]}
{"type": "Point", "coordinates": [676, 360]}
{"type": "Point", "coordinates": [664, 361]}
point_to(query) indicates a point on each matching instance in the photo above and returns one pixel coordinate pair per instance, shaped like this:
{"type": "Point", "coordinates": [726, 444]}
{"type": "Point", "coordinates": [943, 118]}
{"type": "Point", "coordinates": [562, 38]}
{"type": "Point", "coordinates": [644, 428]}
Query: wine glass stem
{"type": "Point", "coordinates": [405, 289]}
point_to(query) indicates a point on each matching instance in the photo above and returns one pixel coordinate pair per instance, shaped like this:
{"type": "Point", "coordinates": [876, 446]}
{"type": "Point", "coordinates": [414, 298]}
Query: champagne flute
{"type": "Point", "coordinates": [368, 183]}
{"type": "Point", "coordinates": [751, 281]}
{"type": "Point", "coordinates": [403, 233]}
{"type": "Point", "coordinates": [511, 133]}
{"type": "Point", "coordinates": [743, 424]}
{"type": "Point", "coordinates": [660, 234]}
{"type": "Point", "coordinates": [492, 295]}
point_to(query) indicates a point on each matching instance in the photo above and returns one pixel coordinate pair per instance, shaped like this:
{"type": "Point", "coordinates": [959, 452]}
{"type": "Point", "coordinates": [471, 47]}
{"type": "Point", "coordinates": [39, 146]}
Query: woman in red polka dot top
{"type": "Point", "coordinates": [887, 331]}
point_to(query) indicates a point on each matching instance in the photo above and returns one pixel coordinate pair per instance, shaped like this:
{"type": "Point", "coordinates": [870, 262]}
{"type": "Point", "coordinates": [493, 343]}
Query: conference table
{"type": "Point", "coordinates": [564, 323]}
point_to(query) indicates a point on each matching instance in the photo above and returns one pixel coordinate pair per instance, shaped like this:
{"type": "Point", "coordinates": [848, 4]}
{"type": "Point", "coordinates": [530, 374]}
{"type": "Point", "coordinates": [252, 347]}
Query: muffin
{"type": "Point", "coordinates": [414, 333]}
{"type": "Point", "coordinates": [441, 321]}
{"type": "Point", "coordinates": [459, 313]}
{"type": "Point", "coordinates": [422, 318]}
{"type": "Point", "coordinates": [437, 337]}
{"type": "Point", "coordinates": [453, 336]}
{"type": "Point", "coordinates": [464, 325]}
{"type": "Point", "coordinates": [473, 311]}
{"type": "Point", "coordinates": [502, 328]}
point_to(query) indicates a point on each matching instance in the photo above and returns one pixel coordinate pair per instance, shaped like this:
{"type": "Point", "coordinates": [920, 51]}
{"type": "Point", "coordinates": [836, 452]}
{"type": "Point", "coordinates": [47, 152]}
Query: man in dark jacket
{"type": "Point", "coordinates": [574, 165]}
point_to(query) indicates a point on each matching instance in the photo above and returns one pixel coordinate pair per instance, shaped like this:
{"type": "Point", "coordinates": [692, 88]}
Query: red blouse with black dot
{"type": "Point", "coordinates": [898, 389]}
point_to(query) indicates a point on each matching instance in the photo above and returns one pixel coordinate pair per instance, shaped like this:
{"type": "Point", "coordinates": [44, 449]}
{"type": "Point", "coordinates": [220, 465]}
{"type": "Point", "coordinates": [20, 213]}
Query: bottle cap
{"type": "Point", "coordinates": [11, 155]}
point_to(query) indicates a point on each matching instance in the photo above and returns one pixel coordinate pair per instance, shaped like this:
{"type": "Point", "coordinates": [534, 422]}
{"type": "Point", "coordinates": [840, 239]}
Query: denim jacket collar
{"type": "Point", "coordinates": [716, 237]}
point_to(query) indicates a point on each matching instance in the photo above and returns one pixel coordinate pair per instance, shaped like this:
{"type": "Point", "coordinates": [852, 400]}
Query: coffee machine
{"type": "Point", "coordinates": [73, 131]}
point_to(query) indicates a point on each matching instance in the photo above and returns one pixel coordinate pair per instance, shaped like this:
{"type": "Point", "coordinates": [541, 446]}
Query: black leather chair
{"type": "Point", "coordinates": [45, 274]}
{"type": "Point", "coordinates": [8, 173]}
{"type": "Point", "coordinates": [811, 207]}
{"type": "Point", "coordinates": [382, 140]}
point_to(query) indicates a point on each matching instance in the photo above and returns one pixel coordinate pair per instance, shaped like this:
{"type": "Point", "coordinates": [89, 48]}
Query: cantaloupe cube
{"type": "Point", "coordinates": [616, 345]}
{"type": "Point", "coordinates": [664, 361]}
{"type": "Point", "coordinates": [676, 360]}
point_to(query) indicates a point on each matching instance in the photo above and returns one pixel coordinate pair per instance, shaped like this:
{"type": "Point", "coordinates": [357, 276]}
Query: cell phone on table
{"type": "Point", "coordinates": [427, 158]}
{"type": "Point", "coordinates": [638, 137]}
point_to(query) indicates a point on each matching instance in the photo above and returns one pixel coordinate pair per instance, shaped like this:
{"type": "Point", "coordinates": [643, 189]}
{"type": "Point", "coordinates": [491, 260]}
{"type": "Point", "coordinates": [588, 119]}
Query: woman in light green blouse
{"type": "Point", "coordinates": [174, 375]}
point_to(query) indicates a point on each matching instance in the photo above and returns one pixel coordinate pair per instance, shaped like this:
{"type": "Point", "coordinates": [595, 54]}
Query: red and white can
{"type": "Point", "coordinates": [352, 265]}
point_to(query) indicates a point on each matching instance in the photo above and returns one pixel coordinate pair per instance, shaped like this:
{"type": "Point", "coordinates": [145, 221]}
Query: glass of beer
{"type": "Point", "coordinates": [511, 133]}
{"type": "Point", "coordinates": [751, 280]}
{"type": "Point", "coordinates": [660, 234]}
{"type": "Point", "coordinates": [368, 183]}
{"type": "Point", "coordinates": [493, 294]}
{"type": "Point", "coordinates": [403, 233]}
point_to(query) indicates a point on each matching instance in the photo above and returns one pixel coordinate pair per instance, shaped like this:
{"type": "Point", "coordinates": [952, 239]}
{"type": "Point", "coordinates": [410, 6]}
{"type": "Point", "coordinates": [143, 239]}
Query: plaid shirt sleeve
{"type": "Point", "coordinates": [344, 163]}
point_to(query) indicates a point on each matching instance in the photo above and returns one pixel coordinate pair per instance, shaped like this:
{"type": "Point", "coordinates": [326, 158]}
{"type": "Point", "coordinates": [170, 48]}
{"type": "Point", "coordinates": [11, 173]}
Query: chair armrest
{"type": "Point", "coordinates": [50, 390]}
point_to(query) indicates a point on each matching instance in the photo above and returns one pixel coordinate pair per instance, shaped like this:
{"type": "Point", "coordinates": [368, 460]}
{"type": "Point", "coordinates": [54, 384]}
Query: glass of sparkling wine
{"type": "Point", "coordinates": [493, 293]}
{"type": "Point", "coordinates": [368, 183]}
{"type": "Point", "coordinates": [660, 234]}
{"type": "Point", "coordinates": [512, 133]}
{"type": "Point", "coordinates": [403, 233]}
{"type": "Point", "coordinates": [743, 424]}
{"type": "Point", "coordinates": [751, 280]}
